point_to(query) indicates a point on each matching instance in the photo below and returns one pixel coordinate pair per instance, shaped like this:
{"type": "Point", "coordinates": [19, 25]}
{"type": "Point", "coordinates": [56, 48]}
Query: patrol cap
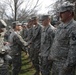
{"type": "Point", "coordinates": [16, 23]}
{"type": "Point", "coordinates": [2, 24]}
{"type": "Point", "coordinates": [29, 20]}
{"type": "Point", "coordinates": [19, 24]}
{"type": "Point", "coordinates": [23, 23]}
{"type": "Point", "coordinates": [66, 6]}
{"type": "Point", "coordinates": [34, 18]}
{"type": "Point", "coordinates": [44, 17]}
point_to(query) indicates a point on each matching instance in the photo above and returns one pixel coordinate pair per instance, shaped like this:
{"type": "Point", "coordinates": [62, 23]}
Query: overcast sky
{"type": "Point", "coordinates": [45, 4]}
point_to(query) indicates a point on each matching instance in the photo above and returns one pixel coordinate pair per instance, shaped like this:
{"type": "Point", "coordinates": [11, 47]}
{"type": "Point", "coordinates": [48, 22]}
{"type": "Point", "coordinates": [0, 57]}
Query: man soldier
{"type": "Point", "coordinates": [4, 56]}
{"type": "Point", "coordinates": [7, 33]}
{"type": "Point", "coordinates": [16, 44]}
{"type": "Point", "coordinates": [47, 36]}
{"type": "Point", "coordinates": [35, 44]}
{"type": "Point", "coordinates": [28, 35]}
{"type": "Point", "coordinates": [63, 50]}
{"type": "Point", "coordinates": [24, 31]}
{"type": "Point", "coordinates": [29, 30]}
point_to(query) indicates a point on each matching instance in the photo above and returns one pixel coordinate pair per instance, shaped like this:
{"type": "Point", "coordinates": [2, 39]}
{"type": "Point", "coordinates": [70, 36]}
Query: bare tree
{"type": "Point", "coordinates": [14, 8]}
{"type": "Point", "coordinates": [30, 9]}
{"type": "Point", "coordinates": [2, 11]}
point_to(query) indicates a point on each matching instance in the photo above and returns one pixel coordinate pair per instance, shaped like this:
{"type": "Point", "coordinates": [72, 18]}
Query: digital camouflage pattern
{"type": "Point", "coordinates": [47, 36]}
{"type": "Point", "coordinates": [63, 50]}
{"type": "Point", "coordinates": [17, 44]}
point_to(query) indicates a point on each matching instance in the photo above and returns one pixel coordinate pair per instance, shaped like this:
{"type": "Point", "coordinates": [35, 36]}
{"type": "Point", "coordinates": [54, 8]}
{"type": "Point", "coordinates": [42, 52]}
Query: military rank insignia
{"type": "Point", "coordinates": [73, 36]}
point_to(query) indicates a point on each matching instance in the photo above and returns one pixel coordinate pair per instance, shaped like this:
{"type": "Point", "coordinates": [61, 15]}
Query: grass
{"type": "Point", "coordinates": [27, 68]}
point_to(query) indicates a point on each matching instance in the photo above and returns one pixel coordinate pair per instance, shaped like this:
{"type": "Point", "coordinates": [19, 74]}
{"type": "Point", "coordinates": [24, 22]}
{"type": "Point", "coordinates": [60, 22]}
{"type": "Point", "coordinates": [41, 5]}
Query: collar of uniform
{"type": "Point", "coordinates": [65, 25]}
{"type": "Point", "coordinates": [46, 28]}
{"type": "Point", "coordinates": [17, 32]}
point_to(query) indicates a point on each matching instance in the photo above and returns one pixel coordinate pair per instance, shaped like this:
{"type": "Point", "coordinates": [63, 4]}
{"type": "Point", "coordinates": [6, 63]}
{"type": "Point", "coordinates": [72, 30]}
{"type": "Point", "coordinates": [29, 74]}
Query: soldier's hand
{"type": "Point", "coordinates": [28, 46]}
{"type": "Point", "coordinates": [6, 43]}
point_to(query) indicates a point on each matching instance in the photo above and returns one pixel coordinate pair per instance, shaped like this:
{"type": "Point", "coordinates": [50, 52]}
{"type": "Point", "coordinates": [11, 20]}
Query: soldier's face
{"type": "Point", "coordinates": [64, 16]}
{"type": "Point", "coordinates": [18, 27]}
{"type": "Point", "coordinates": [45, 22]}
{"type": "Point", "coordinates": [30, 23]}
{"type": "Point", "coordinates": [35, 22]}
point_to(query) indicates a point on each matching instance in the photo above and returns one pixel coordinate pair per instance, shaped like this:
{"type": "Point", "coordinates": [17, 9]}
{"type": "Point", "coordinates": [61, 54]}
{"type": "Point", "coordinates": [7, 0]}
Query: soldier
{"type": "Point", "coordinates": [35, 44]}
{"type": "Point", "coordinates": [7, 33]}
{"type": "Point", "coordinates": [4, 57]}
{"type": "Point", "coordinates": [29, 35]}
{"type": "Point", "coordinates": [47, 36]}
{"type": "Point", "coordinates": [16, 45]}
{"type": "Point", "coordinates": [63, 50]}
{"type": "Point", "coordinates": [24, 31]}
{"type": "Point", "coordinates": [29, 30]}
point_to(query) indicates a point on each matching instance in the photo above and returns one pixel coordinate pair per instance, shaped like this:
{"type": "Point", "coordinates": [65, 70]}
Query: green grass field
{"type": "Point", "coordinates": [27, 68]}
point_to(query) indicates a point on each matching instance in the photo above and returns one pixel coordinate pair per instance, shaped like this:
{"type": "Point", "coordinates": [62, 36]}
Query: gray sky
{"type": "Point", "coordinates": [44, 4]}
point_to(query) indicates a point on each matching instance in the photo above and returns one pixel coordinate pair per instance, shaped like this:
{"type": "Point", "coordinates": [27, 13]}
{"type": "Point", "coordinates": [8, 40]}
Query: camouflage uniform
{"type": "Point", "coordinates": [16, 44]}
{"type": "Point", "coordinates": [29, 35]}
{"type": "Point", "coordinates": [36, 47]}
{"type": "Point", "coordinates": [29, 39]}
{"type": "Point", "coordinates": [24, 33]}
{"type": "Point", "coordinates": [63, 50]}
{"type": "Point", "coordinates": [4, 70]}
{"type": "Point", "coordinates": [7, 34]}
{"type": "Point", "coordinates": [47, 36]}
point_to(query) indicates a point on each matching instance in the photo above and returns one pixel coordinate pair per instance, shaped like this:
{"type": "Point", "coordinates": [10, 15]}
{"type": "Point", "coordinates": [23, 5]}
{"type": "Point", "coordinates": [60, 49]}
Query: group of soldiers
{"type": "Point", "coordinates": [52, 50]}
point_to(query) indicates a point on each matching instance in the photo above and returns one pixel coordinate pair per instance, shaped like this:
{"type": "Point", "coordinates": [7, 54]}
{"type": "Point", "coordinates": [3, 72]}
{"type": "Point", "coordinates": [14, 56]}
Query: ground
{"type": "Point", "coordinates": [27, 67]}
